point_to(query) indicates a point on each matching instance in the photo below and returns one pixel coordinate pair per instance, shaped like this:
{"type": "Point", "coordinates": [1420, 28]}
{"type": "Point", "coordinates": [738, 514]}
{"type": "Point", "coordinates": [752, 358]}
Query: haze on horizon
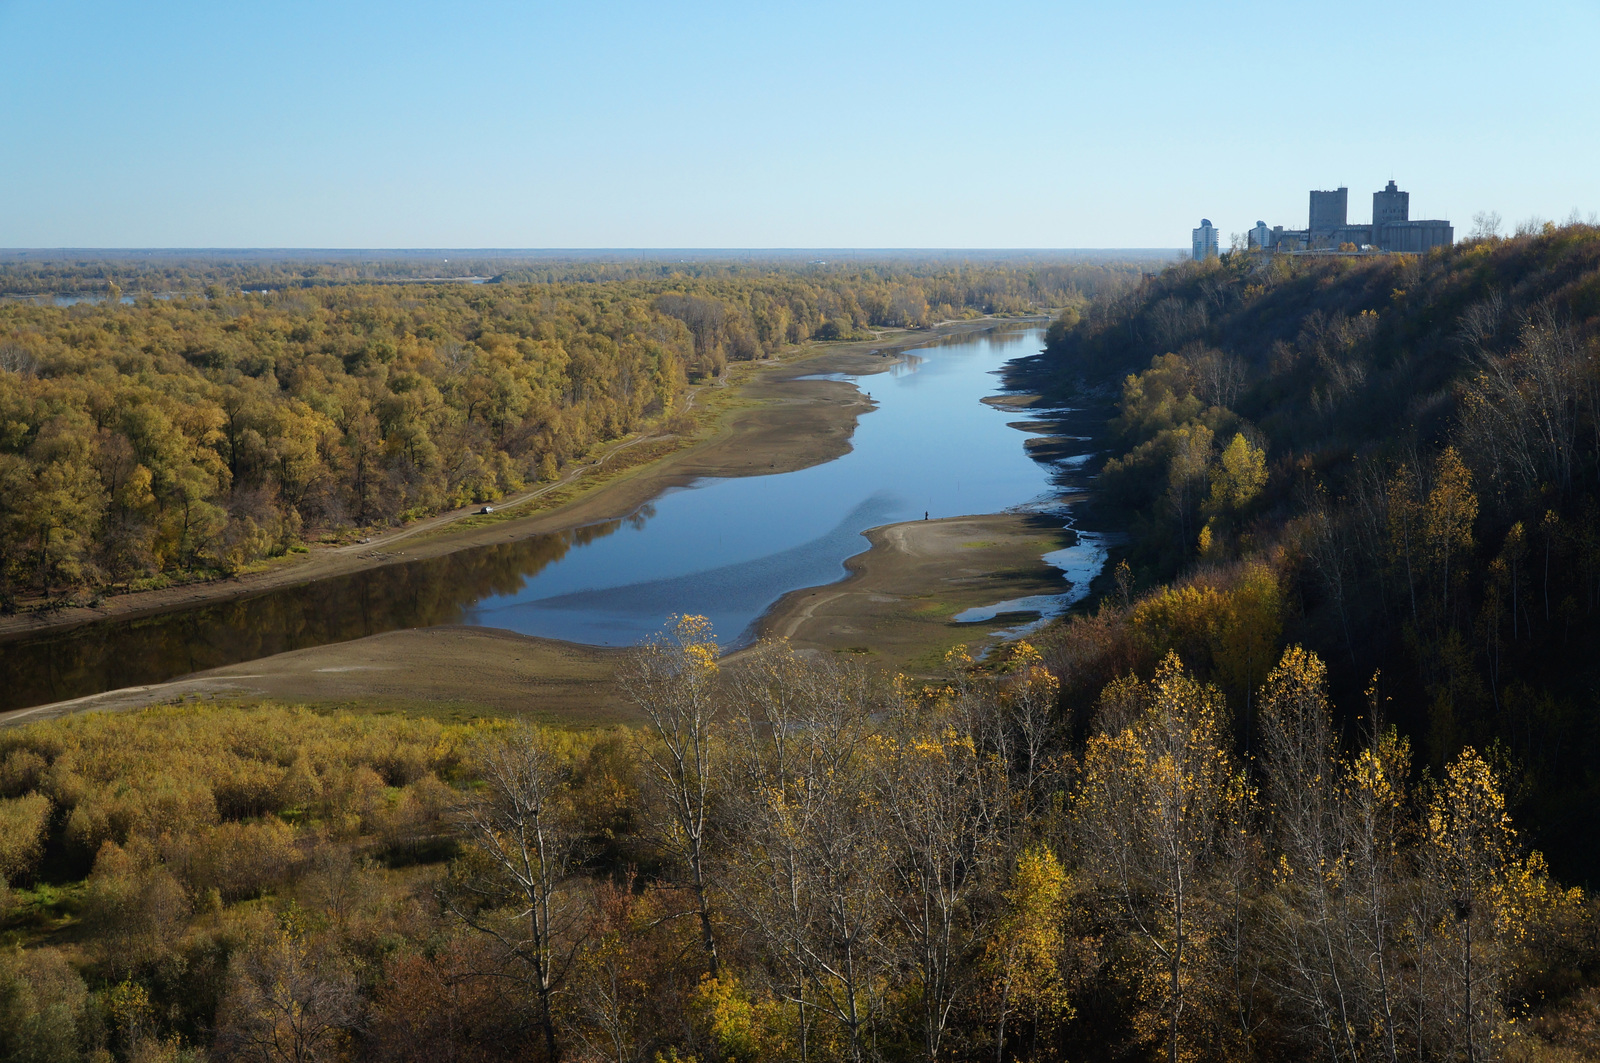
{"type": "Point", "coordinates": [493, 124]}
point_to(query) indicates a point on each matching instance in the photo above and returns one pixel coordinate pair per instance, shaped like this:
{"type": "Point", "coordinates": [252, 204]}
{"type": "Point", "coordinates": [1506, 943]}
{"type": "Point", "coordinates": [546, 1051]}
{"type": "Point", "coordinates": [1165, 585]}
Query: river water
{"type": "Point", "coordinates": [725, 548]}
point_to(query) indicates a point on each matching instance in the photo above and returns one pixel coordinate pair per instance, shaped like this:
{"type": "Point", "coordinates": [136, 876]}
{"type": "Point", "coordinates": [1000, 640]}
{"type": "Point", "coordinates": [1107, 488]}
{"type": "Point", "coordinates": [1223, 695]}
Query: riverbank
{"type": "Point", "coordinates": [895, 609]}
{"type": "Point", "coordinates": [761, 419]}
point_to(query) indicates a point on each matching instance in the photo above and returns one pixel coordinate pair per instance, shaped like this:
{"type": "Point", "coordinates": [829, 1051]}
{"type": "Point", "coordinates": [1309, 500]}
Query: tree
{"type": "Point", "coordinates": [672, 679]}
{"type": "Point", "coordinates": [509, 886]}
{"type": "Point", "coordinates": [1448, 518]}
{"type": "Point", "coordinates": [22, 827]}
{"type": "Point", "coordinates": [1298, 762]}
{"type": "Point", "coordinates": [808, 858]}
{"type": "Point", "coordinates": [1245, 635]}
{"type": "Point", "coordinates": [937, 799]}
{"type": "Point", "coordinates": [1153, 801]}
{"type": "Point", "coordinates": [43, 1005]}
{"type": "Point", "coordinates": [1377, 830]}
{"type": "Point", "coordinates": [1238, 476]}
{"type": "Point", "coordinates": [1467, 857]}
{"type": "Point", "coordinates": [290, 999]}
{"type": "Point", "coordinates": [1025, 954]}
{"type": "Point", "coordinates": [1186, 473]}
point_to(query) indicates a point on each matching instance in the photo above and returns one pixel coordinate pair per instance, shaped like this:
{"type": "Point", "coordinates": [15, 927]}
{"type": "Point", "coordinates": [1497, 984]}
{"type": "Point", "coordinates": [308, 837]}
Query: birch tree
{"type": "Point", "coordinates": [521, 852]}
{"type": "Point", "coordinates": [672, 679]}
{"type": "Point", "coordinates": [1153, 801]}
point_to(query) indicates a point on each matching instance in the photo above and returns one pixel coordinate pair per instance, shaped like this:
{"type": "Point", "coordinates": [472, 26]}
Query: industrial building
{"type": "Point", "coordinates": [1329, 228]}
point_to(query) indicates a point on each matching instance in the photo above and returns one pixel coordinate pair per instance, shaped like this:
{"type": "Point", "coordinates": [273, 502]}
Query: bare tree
{"type": "Point", "coordinates": [289, 1000]}
{"type": "Point", "coordinates": [1522, 411]}
{"type": "Point", "coordinates": [938, 799]}
{"type": "Point", "coordinates": [1375, 826]}
{"type": "Point", "coordinates": [510, 886]}
{"type": "Point", "coordinates": [1298, 759]}
{"type": "Point", "coordinates": [1218, 377]}
{"type": "Point", "coordinates": [1337, 830]}
{"type": "Point", "coordinates": [672, 679]}
{"type": "Point", "coordinates": [804, 845]}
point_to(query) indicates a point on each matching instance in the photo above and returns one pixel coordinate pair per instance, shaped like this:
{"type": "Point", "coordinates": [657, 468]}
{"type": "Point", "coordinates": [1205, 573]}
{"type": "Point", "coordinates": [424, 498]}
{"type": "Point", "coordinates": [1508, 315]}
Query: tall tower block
{"type": "Point", "coordinates": [1329, 211]}
{"type": "Point", "coordinates": [1390, 205]}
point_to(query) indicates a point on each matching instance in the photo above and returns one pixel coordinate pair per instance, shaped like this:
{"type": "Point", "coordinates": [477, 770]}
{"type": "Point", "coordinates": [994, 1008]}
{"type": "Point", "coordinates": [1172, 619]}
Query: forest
{"type": "Point", "coordinates": [791, 858]}
{"type": "Point", "coordinates": [1310, 778]}
{"type": "Point", "coordinates": [1392, 460]}
{"type": "Point", "coordinates": [146, 439]}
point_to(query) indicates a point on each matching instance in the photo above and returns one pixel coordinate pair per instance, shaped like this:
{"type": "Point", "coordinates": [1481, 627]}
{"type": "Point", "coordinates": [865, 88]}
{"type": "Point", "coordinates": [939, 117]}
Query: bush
{"type": "Point", "coordinates": [22, 829]}
{"type": "Point", "coordinates": [42, 1007]}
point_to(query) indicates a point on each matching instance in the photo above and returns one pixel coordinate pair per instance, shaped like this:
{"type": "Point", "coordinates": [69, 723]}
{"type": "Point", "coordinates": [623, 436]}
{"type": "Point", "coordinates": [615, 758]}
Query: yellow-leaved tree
{"type": "Point", "coordinates": [672, 680]}
{"type": "Point", "coordinates": [1155, 799]}
{"type": "Point", "coordinates": [1238, 476]}
{"type": "Point", "coordinates": [1025, 954]}
{"type": "Point", "coordinates": [1451, 511]}
{"type": "Point", "coordinates": [1468, 857]}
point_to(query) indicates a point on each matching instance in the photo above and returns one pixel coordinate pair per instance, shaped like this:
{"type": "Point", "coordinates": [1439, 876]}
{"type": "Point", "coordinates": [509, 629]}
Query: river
{"type": "Point", "coordinates": [725, 548]}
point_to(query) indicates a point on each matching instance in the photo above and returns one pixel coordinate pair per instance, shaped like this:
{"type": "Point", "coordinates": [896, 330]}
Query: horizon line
{"type": "Point", "coordinates": [524, 251]}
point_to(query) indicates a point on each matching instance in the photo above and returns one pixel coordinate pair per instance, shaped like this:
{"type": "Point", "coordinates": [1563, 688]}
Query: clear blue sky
{"type": "Point", "coordinates": [601, 123]}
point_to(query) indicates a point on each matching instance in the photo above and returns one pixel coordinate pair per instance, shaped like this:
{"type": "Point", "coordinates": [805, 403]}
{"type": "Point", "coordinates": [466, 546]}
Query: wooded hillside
{"type": "Point", "coordinates": [1395, 460]}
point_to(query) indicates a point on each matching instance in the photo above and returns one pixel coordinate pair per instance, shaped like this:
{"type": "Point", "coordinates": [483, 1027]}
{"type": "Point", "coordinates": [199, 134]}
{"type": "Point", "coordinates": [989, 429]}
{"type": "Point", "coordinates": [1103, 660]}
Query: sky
{"type": "Point", "coordinates": [604, 123]}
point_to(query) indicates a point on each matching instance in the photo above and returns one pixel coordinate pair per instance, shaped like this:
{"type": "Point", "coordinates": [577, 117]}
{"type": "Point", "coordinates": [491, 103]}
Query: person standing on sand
{"type": "Point", "coordinates": [924, 514]}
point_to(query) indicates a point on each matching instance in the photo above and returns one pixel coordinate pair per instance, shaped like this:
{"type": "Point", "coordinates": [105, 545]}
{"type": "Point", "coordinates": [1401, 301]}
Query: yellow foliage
{"type": "Point", "coordinates": [1026, 952]}
{"type": "Point", "coordinates": [1452, 508]}
{"type": "Point", "coordinates": [727, 1017]}
{"type": "Point", "coordinates": [696, 641]}
{"type": "Point", "coordinates": [1236, 627]}
{"type": "Point", "coordinates": [22, 825]}
{"type": "Point", "coordinates": [1238, 476]}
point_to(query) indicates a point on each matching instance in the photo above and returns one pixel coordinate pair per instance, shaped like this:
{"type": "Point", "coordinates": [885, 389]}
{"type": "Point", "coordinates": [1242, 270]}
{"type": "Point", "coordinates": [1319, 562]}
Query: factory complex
{"type": "Point", "coordinates": [1329, 230]}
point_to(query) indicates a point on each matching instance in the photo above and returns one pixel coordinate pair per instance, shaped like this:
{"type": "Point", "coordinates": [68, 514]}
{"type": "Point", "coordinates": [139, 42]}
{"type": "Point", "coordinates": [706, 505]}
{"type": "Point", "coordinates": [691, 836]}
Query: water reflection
{"type": "Point", "coordinates": [729, 548]}
{"type": "Point", "coordinates": [110, 654]}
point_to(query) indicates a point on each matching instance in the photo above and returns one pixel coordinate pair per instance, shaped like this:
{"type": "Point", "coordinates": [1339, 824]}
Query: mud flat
{"type": "Point", "coordinates": [897, 606]}
{"type": "Point", "coordinates": [448, 672]}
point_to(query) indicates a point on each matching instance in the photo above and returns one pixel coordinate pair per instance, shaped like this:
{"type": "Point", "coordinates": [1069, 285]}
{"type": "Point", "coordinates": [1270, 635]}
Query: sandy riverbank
{"type": "Point", "coordinates": [449, 672]}
{"type": "Point", "coordinates": [894, 610]}
{"type": "Point", "coordinates": [896, 607]}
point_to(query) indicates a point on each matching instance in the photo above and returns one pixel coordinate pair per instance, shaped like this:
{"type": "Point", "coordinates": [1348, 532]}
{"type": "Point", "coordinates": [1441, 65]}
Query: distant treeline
{"type": "Point", "coordinates": [201, 433]}
{"type": "Point", "coordinates": [45, 273]}
{"type": "Point", "coordinates": [1397, 460]}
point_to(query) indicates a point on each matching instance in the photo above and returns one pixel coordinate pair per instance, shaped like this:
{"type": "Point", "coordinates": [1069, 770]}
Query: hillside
{"type": "Point", "coordinates": [1404, 454]}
